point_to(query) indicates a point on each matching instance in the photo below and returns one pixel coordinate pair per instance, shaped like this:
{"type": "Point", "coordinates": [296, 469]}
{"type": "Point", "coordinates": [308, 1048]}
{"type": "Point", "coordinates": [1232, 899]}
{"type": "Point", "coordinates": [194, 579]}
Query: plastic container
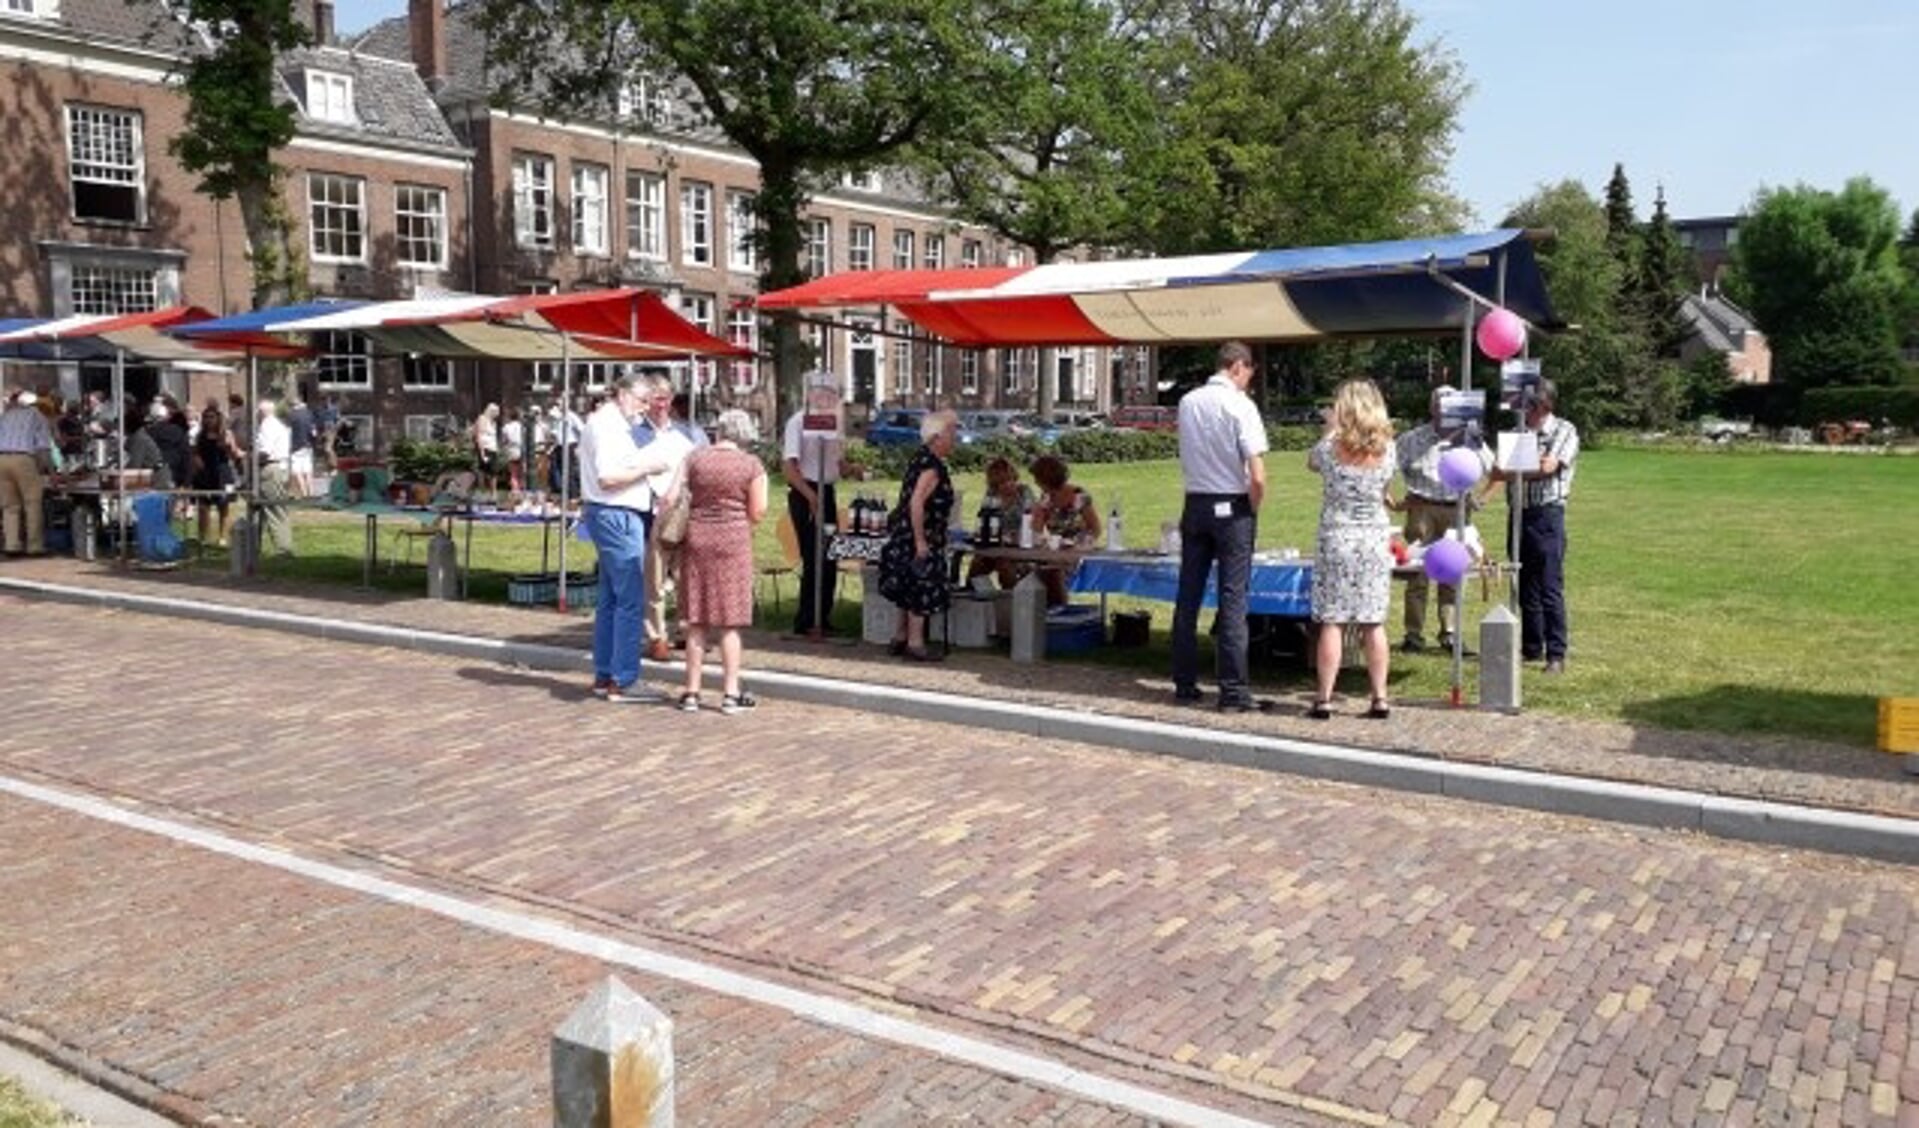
{"type": "Point", "coordinates": [1074, 629]}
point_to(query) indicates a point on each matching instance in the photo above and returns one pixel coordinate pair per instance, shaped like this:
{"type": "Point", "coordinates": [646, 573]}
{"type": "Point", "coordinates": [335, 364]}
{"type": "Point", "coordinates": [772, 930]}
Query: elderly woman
{"type": "Point", "coordinates": [726, 487]}
{"type": "Point", "coordinates": [1353, 566]}
{"type": "Point", "coordinates": [486, 442]}
{"type": "Point", "coordinates": [1064, 511]}
{"type": "Point", "coordinates": [913, 563]}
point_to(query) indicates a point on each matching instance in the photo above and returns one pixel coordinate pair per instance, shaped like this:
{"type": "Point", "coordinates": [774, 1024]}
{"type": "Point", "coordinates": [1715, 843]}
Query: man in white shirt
{"type": "Point", "coordinates": [275, 444]}
{"type": "Point", "coordinates": [615, 484]}
{"type": "Point", "coordinates": [1222, 441]}
{"type": "Point", "coordinates": [811, 465]}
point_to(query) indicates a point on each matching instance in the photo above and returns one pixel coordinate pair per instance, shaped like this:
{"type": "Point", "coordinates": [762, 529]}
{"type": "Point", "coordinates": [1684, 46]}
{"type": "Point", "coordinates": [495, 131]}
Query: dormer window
{"type": "Point", "coordinates": [643, 100]}
{"type": "Point", "coordinates": [330, 97]}
{"type": "Point", "coordinates": [862, 181]}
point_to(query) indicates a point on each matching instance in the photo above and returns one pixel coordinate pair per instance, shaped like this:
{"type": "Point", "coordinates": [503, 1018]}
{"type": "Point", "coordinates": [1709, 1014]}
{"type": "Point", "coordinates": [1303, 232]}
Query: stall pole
{"type": "Point", "coordinates": [566, 454]}
{"type": "Point", "coordinates": [251, 531]}
{"type": "Point", "coordinates": [120, 441]}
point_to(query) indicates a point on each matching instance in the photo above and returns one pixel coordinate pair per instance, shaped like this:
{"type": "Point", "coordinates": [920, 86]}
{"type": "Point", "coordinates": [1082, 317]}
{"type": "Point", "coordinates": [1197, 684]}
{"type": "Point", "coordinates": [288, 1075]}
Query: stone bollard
{"type": "Point", "coordinates": [1499, 664]}
{"type": "Point", "coordinates": [442, 568]}
{"type": "Point", "coordinates": [1029, 619]}
{"type": "Point", "coordinates": [243, 552]}
{"type": "Point", "coordinates": [613, 1063]}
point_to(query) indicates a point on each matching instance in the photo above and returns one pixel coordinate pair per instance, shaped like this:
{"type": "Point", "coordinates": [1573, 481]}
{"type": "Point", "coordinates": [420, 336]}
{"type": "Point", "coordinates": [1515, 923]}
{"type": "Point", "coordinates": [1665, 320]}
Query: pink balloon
{"type": "Point", "coordinates": [1446, 562]}
{"type": "Point", "coordinates": [1501, 334]}
{"type": "Point", "coordinates": [1459, 468]}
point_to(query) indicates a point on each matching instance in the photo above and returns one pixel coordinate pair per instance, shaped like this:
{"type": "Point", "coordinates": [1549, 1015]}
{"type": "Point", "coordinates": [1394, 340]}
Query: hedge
{"type": "Point", "coordinates": [1899, 404]}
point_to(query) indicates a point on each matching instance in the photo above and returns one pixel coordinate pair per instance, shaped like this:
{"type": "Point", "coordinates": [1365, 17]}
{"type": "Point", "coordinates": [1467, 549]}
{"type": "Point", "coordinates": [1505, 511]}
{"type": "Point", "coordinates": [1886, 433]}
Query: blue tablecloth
{"type": "Point", "coordinates": [1279, 587]}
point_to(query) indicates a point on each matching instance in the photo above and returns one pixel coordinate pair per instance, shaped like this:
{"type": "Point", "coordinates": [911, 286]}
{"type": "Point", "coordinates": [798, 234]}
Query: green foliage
{"type": "Point", "coordinates": [414, 460]}
{"type": "Point", "coordinates": [1821, 273]}
{"type": "Point", "coordinates": [1622, 226]}
{"type": "Point", "coordinates": [1896, 405]}
{"type": "Point", "coordinates": [1660, 282]}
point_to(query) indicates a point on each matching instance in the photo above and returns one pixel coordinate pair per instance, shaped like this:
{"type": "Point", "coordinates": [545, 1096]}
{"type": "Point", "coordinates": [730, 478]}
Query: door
{"type": "Point", "coordinates": [866, 365]}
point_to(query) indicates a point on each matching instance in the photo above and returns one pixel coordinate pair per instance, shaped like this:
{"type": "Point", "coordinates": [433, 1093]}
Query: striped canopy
{"type": "Point", "coordinates": [623, 325]}
{"type": "Point", "coordinates": [141, 337]}
{"type": "Point", "coordinates": [249, 332]}
{"type": "Point", "coordinates": [1403, 287]}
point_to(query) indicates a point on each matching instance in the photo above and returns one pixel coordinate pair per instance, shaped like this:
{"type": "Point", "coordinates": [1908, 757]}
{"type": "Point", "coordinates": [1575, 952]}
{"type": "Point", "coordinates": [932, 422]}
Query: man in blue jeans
{"type": "Point", "coordinates": [1222, 443]}
{"type": "Point", "coordinates": [619, 508]}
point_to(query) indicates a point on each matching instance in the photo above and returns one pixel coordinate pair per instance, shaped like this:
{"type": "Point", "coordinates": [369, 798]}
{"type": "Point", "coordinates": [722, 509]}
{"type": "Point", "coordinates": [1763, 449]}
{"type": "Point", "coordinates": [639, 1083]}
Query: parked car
{"type": "Point", "coordinates": [1725, 430]}
{"type": "Point", "coordinates": [979, 426]}
{"type": "Point", "coordinates": [895, 426]}
{"type": "Point", "coordinates": [1081, 420]}
{"type": "Point", "coordinates": [1307, 415]}
{"type": "Point", "coordinates": [1145, 417]}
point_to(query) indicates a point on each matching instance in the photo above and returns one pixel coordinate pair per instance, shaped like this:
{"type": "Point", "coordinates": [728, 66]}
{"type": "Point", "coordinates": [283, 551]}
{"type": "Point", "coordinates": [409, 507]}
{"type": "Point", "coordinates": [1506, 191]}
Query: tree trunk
{"type": "Point", "coordinates": [270, 247]}
{"type": "Point", "coordinates": [781, 197]}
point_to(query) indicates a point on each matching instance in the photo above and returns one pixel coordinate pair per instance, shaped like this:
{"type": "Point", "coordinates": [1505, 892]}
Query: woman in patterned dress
{"type": "Point", "coordinates": [727, 488]}
{"type": "Point", "coordinates": [1065, 511]}
{"type": "Point", "coordinates": [1353, 565]}
{"type": "Point", "coordinates": [913, 563]}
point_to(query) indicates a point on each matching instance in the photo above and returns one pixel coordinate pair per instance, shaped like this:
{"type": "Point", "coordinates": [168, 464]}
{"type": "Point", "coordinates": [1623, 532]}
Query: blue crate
{"type": "Point", "coordinates": [541, 589]}
{"type": "Point", "coordinates": [1074, 629]}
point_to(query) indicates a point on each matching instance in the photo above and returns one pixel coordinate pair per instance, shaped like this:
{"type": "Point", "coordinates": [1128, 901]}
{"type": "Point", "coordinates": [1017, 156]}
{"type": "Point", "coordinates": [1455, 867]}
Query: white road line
{"type": "Point", "coordinates": [823, 1009]}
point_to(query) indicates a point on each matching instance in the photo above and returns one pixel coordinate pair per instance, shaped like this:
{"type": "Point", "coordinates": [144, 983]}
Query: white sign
{"type": "Point", "coordinates": [1518, 452]}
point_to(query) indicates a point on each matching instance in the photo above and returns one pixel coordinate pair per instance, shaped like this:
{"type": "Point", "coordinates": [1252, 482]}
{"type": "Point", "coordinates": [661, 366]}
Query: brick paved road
{"type": "Point", "coordinates": [1270, 938]}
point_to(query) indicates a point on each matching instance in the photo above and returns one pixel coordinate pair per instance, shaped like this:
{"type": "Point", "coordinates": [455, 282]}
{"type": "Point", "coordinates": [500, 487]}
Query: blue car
{"type": "Point", "coordinates": [896, 426]}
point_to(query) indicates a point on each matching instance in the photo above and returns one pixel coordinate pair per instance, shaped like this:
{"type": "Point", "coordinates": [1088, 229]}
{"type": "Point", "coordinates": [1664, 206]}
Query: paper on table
{"type": "Point", "coordinates": [1518, 451]}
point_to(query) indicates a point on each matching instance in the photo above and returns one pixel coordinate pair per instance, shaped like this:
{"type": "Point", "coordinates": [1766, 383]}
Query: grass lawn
{"type": "Point", "coordinates": [1736, 592]}
{"type": "Point", "coordinates": [18, 1109]}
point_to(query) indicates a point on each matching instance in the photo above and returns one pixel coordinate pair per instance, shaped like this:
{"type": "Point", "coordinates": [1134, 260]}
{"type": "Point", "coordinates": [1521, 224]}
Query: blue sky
{"type": "Point", "coordinates": [1712, 98]}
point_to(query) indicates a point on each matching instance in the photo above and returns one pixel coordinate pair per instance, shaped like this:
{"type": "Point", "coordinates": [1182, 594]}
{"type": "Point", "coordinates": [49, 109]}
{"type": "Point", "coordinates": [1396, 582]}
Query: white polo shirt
{"type": "Point", "coordinates": [606, 445]}
{"type": "Point", "coordinates": [818, 456]}
{"type": "Point", "coordinates": [1219, 430]}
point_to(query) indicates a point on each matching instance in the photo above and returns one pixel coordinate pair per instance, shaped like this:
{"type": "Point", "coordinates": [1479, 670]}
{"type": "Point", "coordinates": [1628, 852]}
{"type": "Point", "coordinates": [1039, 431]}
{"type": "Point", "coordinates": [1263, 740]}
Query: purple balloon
{"type": "Point", "coordinates": [1459, 468]}
{"type": "Point", "coordinates": [1446, 562]}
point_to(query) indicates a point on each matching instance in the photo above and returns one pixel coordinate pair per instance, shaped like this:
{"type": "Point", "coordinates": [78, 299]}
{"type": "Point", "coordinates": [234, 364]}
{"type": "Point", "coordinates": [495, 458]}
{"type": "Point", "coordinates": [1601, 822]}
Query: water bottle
{"type": "Point", "coordinates": [1115, 532]}
{"type": "Point", "coordinates": [1026, 532]}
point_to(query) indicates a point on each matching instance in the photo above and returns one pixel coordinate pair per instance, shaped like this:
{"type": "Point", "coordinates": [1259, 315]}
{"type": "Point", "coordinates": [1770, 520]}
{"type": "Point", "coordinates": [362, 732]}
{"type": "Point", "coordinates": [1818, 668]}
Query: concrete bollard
{"type": "Point", "coordinates": [442, 568]}
{"type": "Point", "coordinates": [243, 550]}
{"type": "Point", "coordinates": [1029, 619]}
{"type": "Point", "coordinates": [1499, 664]}
{"type": "Point", "coordinates": [613, 1062]}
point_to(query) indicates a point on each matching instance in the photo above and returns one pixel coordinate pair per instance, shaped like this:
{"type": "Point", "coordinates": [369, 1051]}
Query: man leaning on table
{"type": "Point", "coordinates": [1221, 443]}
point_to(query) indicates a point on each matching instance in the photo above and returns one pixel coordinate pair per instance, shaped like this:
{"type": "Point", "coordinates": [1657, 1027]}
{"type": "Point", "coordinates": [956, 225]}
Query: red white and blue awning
{"type": "Point", "coordinates": [1403, 287]}
{"type": "Point", "coordinates": [140, 337]}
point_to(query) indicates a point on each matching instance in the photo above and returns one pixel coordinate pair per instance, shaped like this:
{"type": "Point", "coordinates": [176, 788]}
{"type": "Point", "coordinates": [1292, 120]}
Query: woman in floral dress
{"type": "Point", "coordinates": [913, 563]}
{"type": "Point", "coordinates": [1353, 565]}
{"type": "Point", "coordinates": [727, 497]}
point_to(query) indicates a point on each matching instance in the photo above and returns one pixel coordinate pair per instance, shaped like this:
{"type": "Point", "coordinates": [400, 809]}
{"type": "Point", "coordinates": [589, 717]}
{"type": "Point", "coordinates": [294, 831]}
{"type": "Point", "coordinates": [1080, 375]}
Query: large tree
{"type": "Point", "coordinates": [236, 123]}
{"type": "Point", "coordinates": [808, 90]}
{"type": "Point", "coordinates": [1661, 278]}
{"type": "Point", "coordinates": [1622, 226]}
{"type": "Point", "coordinates": [1820, 272]}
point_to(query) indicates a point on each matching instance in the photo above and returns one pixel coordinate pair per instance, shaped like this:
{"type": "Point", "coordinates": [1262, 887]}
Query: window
{"type": "Point", "coordinates": [114, 289]}
{"type": "Point", "coordinates": [533, 200]}
{"type": "Point", "coordinates": [1015, 256]}
{"type": "Point", "coordinates": [902, 356]}
{"type": "Point", "coordinates": [105, 164]}
{"type": "Point", "coordinates": [643, 100]}
{"type": "Point", "coordinates": [969, 372]}
{"type": "Point", "coordinates": [698, 308]}
{"type": "Point", "coordinates": [969, 252]}
{"type": "Point", "coordinates": [936, 252]}
{"type": "Point", "coordinates": [589, 209]}
{"type": "Point", "coordinates": [743, 328]}
{"type": "Point", "coordinates": [345, 361]}
{"type": "Point", "coordinates": [934, 358]}
{"type": "Point", "coordinates": [336, 210]}
{"type": "Point", "coordinates": [742, 235]}
{"type": "Point", "coordinates": [420, 216]}
{"type": "Point", "coordinates": [1015, 363]}
{"type": "Point", "coordinates": [426, 374]}
{"type": "Point", "coordinates": [330, 97]}
{"type": "Point", "coordinates": [902, 250]}
{"type": "Point", "coordinates": [819, 247]}
{"type": "Point", "coordinates": [862, 181]}
{"type": "Point", "coordinates": [859, 246]}
{"type": "Point", "coordinates": [696, 223]}
{"type": "Point", "coordinates": [48, 8]}
{"type": "Point", "coordinates": [645, 215]}
{"type": "Point", "coordinates": [355, 436]}
{"type": "Point", "coordinates": [424, 428]}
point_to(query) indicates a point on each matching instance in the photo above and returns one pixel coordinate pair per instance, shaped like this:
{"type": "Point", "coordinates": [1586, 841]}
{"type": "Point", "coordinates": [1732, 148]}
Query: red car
{"type": "Point", "coordinates": [1145, 417]}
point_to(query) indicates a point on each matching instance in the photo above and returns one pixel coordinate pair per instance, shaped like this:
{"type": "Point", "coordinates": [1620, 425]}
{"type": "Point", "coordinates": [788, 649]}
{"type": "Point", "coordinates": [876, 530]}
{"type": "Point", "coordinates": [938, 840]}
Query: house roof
{"type": "Point", "coordinates": [1718, 323]}
{"type": "Point", "coordinates": [126, 23]}
{"type": "Point", "coordinates": [390, 101]}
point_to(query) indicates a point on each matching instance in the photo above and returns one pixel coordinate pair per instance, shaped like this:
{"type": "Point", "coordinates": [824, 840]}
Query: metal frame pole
{"type": "Point", "coordinates": [564, 431]}
{"type": "Point", "coordinates": [120, 437]}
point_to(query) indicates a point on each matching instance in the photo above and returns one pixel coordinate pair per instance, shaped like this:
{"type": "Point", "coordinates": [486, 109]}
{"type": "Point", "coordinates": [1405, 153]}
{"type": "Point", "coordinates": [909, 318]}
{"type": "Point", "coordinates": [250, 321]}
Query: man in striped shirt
{"type": "Point", "coordinates": [26, 450]}
{"type": "Point", "coordinates": [1542, 534]}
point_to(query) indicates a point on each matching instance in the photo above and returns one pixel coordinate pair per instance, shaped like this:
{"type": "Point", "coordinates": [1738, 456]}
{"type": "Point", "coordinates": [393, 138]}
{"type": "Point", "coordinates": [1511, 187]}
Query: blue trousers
{"type": "Point", "coordinates": [619, 536]}
{"type": "Point", "coordinates": [1206, 539]}
{"type": "Point", "coordinates": [1542, 582]}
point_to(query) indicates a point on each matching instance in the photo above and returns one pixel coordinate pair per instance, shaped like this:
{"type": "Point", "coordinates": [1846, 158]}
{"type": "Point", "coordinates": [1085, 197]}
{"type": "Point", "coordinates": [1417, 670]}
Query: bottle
{"type": "Point", "coordinates": [1115, 532]}
{"type": "Point", "coordinates": [1026, 532]}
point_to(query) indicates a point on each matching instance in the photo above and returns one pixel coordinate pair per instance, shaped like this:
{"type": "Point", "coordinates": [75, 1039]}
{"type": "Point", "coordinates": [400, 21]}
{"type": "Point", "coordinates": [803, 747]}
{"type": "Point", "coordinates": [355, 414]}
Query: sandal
{"type": "Point", "coordinates": [1321, 711]}
{"type": "Point", "coordinates": [689, 702]}
{"type": "Point", "coordinates": [1380, 710]}
{"type": "Point", "coordinates": [740, 702]}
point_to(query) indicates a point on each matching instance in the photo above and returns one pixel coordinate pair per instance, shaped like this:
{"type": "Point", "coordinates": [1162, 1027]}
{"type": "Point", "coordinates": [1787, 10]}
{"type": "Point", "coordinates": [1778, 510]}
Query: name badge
{"type": "Point", "coordinates": [1222, 509]}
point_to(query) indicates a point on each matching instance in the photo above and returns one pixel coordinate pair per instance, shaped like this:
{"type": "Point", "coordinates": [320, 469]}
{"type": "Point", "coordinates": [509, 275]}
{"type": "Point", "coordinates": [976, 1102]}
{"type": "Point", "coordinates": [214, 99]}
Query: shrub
{"type": "Point", "coordinates": [412, 460]}
{"type": "Point", "coordinates": [1899, 404]}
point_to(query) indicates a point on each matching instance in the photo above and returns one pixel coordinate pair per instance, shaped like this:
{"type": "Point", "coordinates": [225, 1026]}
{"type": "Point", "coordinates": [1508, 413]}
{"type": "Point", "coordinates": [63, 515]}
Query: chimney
{"type": "Point", "coordinates": [323, 23]}
{"type": "Point", "coordinates": [427, 22]}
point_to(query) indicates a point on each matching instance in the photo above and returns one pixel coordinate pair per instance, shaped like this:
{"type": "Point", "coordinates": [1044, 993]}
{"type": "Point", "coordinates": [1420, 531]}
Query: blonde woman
{"type": "Point", "coordinates": [1352, 568]}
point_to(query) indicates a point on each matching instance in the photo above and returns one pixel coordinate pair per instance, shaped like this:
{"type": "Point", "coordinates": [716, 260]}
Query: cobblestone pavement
{"type": "Point", "coordinates": [1752, 766]}
{"type": "Point", "coordinates": [1260, 938]}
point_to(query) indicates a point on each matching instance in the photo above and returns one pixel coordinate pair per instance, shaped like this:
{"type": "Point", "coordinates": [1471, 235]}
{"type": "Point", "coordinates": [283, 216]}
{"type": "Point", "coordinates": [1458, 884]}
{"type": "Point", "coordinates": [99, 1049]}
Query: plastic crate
{"type": "Point", "coordinates": [1074, 629]}
{"type": "Point", "coordinates": [539, 589]}
{"type": "Point", "coordinates": [1899, 725]}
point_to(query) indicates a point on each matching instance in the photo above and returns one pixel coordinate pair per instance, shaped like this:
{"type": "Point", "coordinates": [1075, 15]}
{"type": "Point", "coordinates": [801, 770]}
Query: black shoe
{"type": "Point", "coordinates": [1465, 651]}
{"type": "Point", "coordinates": [1237, 705]}
{"type": "Point", "coordinates": [1412, 645]}
{"type": "Point", "coordinates": [1320, 711]}
{"type": "Point", "coordinates": [1554, 666]}
{"type": "Point", "coordinates": [1188, 695]}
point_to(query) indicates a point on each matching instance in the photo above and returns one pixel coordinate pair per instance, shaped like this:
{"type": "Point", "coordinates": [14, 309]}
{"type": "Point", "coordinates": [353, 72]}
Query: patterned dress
{"type": "Point", "coordinates": [716, 560]}
{"type": "Point", "coordinates": [918, 586]}
{"type": "Point", "coordinates": [1353, 566]}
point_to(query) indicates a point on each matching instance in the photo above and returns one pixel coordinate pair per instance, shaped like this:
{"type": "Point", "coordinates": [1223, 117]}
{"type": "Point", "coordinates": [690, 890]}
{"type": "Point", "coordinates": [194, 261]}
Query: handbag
{"type": "Point", "coordinates": [672, 529]}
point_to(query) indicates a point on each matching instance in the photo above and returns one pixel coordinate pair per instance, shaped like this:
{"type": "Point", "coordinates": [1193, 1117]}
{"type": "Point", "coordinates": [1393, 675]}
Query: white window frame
{"type": "Point", "coordinates": [698, 309]}
{"type": "Point", "coordinates": [645, 215]}
{"type": "Point", "coordinates": [743, 328]}
{"type": "Point", "coordinates": [935, 252]}
{"type": "Point", "coordinates": [330, 97]}
{"type": "Point", "coordinates": [902, 358]}
{"type": "Point", "coordinates": [643, 100]}
{"type": "Point", "coordinates": [362, 429]}
{"type": "Point", "coordinates": [533, 200]}
{"type": "Point", "coordinates": [969, 252]}
{"type": "Point", "coordinates": [438, 369]}
{"type": "Point", "coordinates": [331, 214]}
{"type": "Point", "coordinates": [742, 230]}
{"type": "Point", "coordinates": [117, 159]}
{"type": "Point", "coordinates": [867, 180]}
{"type": "Point", "coordinates": [589, 208]}
{"type": "Point", "coordinates": [969, 372]}
{"type": "Point", "coordinates": [819, 247]}
{"type": "Point", "coordinates": [38, 9]}
{"type": "Point", "coordinates": [97, 288]}
{"type": "Point", "coordinates": [420, 219]}
{"type": "Point", "coordinates": [696, 223]}
{"type": "Point", "coordinates": [1015, 256]}
{"type": "Point", "coordinates": [903, 248]}
{"type": "Point", "coordinates": [862, 241]}
{"type": "Point", "coordinates": [345, 362]}
{"type": "Point", "coordinates": [419, 428]}
{"type": "Point", "coordinates": [934, 357]}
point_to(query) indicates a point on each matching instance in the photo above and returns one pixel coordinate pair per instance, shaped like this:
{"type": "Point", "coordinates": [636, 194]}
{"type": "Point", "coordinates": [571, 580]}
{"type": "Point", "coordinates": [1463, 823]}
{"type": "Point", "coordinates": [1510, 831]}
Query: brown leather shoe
{"type": "Point", "coordinates": [658, 650]}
